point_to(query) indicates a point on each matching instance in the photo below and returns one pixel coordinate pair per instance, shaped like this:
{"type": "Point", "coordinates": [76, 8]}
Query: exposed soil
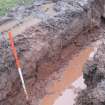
{"type": "Point", "coordinates": [70, 73]}
{"type": "Point", "coordinates": [94, 75]}
{"type": "Point", "coordinates": [46, 44]}
{"type": "Point", "coordinates": [42, 80]}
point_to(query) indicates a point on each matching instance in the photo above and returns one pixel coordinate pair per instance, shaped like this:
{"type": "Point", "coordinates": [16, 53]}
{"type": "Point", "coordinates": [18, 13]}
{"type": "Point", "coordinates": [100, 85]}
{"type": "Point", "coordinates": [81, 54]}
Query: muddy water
{"type": "Point", "coordinates": [72, 72]}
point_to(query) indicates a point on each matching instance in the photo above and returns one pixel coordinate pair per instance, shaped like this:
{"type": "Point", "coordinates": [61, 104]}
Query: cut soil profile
{"type": "Point", "coordinates": [46, 39]}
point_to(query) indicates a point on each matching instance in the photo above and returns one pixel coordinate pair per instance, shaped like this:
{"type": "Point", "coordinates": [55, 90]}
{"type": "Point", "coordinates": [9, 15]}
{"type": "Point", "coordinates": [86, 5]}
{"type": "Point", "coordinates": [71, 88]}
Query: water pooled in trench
{"type": "Point", "coordinates": [71, 73]}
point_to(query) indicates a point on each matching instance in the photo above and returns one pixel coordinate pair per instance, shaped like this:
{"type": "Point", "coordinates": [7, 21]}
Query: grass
{"type": "Point", "coordinates": [6, 5]}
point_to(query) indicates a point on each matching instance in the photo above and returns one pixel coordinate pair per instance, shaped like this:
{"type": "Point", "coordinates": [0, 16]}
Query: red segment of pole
{"type": "Point", "coordinates": [14, 49]}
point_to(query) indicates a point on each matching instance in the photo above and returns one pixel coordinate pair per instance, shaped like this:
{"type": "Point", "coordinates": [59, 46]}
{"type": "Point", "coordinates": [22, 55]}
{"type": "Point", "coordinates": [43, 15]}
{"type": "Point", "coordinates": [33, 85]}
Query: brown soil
{"type": "Point", "coordinates": [44, 49]}
{"type": "Point", "coordinates": [71, 73]}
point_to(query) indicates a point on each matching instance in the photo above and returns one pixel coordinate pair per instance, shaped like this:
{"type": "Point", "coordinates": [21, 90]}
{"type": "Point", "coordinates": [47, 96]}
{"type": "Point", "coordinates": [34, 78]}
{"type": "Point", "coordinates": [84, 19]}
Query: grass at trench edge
{"type": "Point", "coordinates": [6, 5]}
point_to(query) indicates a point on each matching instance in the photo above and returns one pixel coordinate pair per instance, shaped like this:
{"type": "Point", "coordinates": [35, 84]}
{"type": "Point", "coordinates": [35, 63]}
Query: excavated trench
{"type": "Point", "coordinates": [53, 47]}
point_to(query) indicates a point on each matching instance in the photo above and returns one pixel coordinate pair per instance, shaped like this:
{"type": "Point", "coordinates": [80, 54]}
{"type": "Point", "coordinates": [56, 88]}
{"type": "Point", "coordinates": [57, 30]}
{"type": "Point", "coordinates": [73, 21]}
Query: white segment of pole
{"type": "Point", "coordinates": [23, 83]}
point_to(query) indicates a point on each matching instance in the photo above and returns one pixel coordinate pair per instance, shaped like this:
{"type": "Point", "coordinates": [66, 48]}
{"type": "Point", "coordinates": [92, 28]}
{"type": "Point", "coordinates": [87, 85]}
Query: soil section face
{"type": "Point", "coordinates": [46, 47]}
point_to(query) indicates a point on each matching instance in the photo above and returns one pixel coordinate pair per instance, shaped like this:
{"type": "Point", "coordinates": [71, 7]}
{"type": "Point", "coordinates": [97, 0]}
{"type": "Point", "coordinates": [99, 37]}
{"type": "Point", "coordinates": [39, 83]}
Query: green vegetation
{"type": "Point", "coordinates": [6, 5]}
